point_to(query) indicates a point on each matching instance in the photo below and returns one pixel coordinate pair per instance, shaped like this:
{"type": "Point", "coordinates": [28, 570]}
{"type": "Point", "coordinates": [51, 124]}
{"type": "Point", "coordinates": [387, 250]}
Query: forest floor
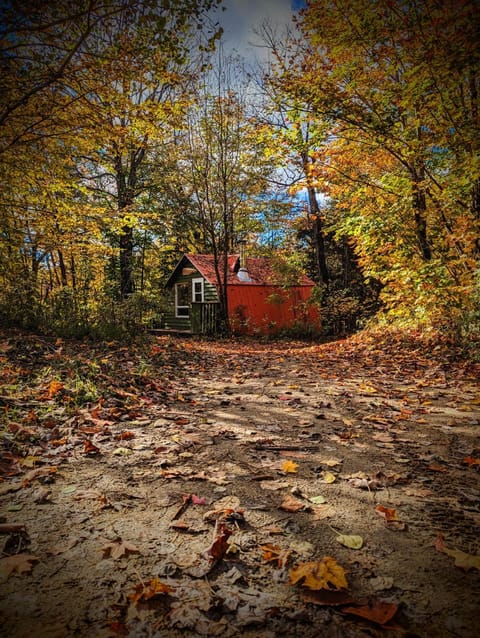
{"type": "Point", "coordinates": [185, 487]}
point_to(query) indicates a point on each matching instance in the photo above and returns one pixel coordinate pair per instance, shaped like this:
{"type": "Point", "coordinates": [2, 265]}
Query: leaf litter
{"type": "Point", "coordinates": [227, 534]}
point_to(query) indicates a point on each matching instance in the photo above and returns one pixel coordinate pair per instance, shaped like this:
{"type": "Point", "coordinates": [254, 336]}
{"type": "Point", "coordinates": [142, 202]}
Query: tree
{"type": "Point", "coordinates": [81, 172]}
{"type": "Point", "coordinates": [399, 86]}
{"type": "Point", "coordinates": [226, 165]}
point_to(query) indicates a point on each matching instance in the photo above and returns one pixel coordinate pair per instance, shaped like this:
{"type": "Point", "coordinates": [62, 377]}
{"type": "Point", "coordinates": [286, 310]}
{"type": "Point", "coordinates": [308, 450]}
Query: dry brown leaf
{"type": "Point", "coordinates": [322, 511]}
{"type": "Point", "coordinates": [274, 553]}
{"type": "Point", "coordinates": [327, 597]}
{"type": "Point", "coordinates": [291, 504]}
{"type": "Point", "coordinates": [118, 548]}
{"type": "Point", "coordinates": [38, 473]}
{"type": "Point", "coordinates": [150, 589]}
{"type": "Point", "coordinates": [324, 574]}
{"type": "Point", "coordinates": [18, 563]}
{"type": "Point", "coordinates": [90, 448]}
{"type": "Point", "coordinates": [218, 548]}
{"type": "Point", "coordinates": [470, 460]}
{"type": "Point", "coordinates": [463, 560]}
{"type": "Point", "coordinates": [388, 513]}
{"type": "Point", "coordinates": [378, 611]}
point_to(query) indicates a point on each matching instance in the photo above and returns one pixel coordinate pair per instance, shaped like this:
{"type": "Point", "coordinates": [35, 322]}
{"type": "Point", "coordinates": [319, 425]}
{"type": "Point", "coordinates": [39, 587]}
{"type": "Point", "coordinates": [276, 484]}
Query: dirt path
{"type": "Point", "coordinates": [208, 476]}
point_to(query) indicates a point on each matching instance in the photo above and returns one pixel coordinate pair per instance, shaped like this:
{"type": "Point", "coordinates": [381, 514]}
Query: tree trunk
{"type": "Point", "coordinates": [126, 261]}
{"type": "Point", "coordinates": [318, 234]}
{"type": "Point", "coordinates": [63, 269]}
{"type": "Point", "coordinates": [420, 210]}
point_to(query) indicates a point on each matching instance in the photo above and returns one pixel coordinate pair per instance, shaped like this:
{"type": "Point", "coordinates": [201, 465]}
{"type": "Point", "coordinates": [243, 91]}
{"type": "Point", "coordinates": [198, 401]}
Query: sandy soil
{"type": "Point", "coordinates": [283, 448]}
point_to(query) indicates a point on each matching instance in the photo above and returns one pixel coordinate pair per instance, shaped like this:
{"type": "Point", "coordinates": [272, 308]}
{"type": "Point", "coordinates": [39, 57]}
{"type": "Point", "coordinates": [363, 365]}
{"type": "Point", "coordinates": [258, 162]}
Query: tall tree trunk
{"type": "Point", "coordinates": [73, 272]}
{"type": "Point", "coordinates": [126, 261]}
{"type": "Point", "coordinates": [419, 203]}
{"type": "Point", "coordinates": [318, 234]}
{"type": "Point", "coordinates": [63, 269]}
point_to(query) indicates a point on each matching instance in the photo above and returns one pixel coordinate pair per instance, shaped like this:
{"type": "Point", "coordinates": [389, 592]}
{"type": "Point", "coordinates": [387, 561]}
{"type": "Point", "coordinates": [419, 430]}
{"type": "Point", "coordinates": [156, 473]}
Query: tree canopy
{"type": "Point", "coordinates": [124, 141]}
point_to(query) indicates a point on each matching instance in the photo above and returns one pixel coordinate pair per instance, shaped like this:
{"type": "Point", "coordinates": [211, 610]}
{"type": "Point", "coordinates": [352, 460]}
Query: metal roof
{"type": "Point", "coordinates": [260, 269]}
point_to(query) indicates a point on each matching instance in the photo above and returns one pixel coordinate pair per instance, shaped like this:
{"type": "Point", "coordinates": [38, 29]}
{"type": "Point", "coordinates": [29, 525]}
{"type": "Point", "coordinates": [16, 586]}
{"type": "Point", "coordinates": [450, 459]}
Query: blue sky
{"type": "Point", "coordinates": [241, 17]}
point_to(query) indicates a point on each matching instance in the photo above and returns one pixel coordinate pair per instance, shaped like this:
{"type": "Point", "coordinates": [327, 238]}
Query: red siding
{"type": "Point", "coordinates": [267, 309]}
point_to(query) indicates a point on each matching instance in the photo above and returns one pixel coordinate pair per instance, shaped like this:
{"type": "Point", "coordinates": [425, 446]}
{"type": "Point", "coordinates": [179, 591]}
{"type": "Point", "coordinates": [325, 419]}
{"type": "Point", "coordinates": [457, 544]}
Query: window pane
{"type": "Point", "coordinates": [182, 294]}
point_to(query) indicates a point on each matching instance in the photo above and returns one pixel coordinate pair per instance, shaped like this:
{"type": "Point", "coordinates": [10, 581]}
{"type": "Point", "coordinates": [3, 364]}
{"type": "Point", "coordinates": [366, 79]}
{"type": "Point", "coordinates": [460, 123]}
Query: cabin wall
{"type": "Point", "coordinates": [269, 309]}
{"type": "Point", "coordinates": [171, 321]}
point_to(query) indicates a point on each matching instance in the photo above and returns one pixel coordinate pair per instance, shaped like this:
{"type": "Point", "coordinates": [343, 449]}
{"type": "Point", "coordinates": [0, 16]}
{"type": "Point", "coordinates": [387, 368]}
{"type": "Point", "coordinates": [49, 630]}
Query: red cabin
{"type": "Point", "coordinates": [259, 300]}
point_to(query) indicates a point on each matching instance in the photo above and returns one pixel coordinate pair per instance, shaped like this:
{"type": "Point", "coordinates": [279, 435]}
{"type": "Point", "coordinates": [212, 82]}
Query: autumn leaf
{"type": "Point", "coordinates": [38, 473]}
{"type": "Point", "coordinates": [18, 563]}
{"type": "Point", "coordinates": [328, 598]}
{"type": "Point", "coordinates": [390, 517]}
{"type": "Point", "coordinates": [150, 589]}
{"type": "Point", "coordinates": [328, 477]}
{"type": "Point", "coordinates": [463, 560]}
{"type": "Point", "coordinates": [324, 574]}
{"type": "Point", "coordinates": [389, 514]}
{"type": "Point", "coordinates": [352, 542]}
{"type": "Point", "coordinates": [125, 436]}
{"type": "Point", "coordinates": [118, 548]}
{"type": "Point", "coordinates": [291, 504]}
{"type": "Point", "coordinates": [219, 546]}
{"type": "Point", "coordinates": [470, 460]}
{"type": "Point", "coordinates": [378, 611]}
{"type": "Point", "coordinates": [274, 553]}
{"type": "Point", "coordinates": [90, 448]}
{"type": "Point", "coordinates": [54, 388]}
{"type": "Point", "coordinates": [290, 467]}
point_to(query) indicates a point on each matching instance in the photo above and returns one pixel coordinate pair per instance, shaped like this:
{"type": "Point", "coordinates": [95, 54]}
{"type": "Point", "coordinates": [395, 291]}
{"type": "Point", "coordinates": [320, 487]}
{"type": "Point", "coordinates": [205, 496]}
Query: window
{"type": "Point", "coordinates": [181, 300]}
{"type": "Point", "coordinates": [197, 290]}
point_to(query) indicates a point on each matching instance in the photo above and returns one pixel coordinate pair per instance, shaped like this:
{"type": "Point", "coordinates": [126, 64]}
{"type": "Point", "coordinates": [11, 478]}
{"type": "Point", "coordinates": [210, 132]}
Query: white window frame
{"type": "Point", "coordinates": [201, 281]}
{"type": "Point", "coordinates": [177, 307]}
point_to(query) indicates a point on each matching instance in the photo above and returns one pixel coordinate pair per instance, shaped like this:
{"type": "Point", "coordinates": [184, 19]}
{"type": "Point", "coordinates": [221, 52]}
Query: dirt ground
{"type": "Point", "coordinates": [211, 488]}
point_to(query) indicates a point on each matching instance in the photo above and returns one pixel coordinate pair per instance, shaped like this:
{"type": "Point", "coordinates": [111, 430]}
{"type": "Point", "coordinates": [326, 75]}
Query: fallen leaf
{"type": "Point", "coordinates": [121, 451]}
{"type": "Point", "coordinates": [365, 484]}
{"type": "Point", "coordinates": [274, 485]}
{"type": "Point", "coordinates": [118, 548]}
{"type": "Point", "coordinates": [290, 467]}
{"type": "Point", "coordinates": [218, 548]}
{"type": "Point", "coordinates": [436, 467]}
{"type": "Point", "coordinates": [379, 583]}
{"type": "Point", "coordinates": [378, 611]}
{"type": "Point", "coordinates": [388, 513]}
{"type": "Point", "coordinates": [274, 553]}
{"type": "Point", "coordinates": [328, 477]}
{"type": "Point", "coordinates": [322, 511]}
{"type": "Point", "coordinates": [324, 574]}
{"type": "Point", "coordinates": [291, 504]}
{"type": "Point", "coordinates": [54, 388]}
{"type": "Point", "coordinates": [150, 589]}
{"type": "Point", "coordinates": [327, 597]}
{"type": "Point", "coordinates": [179, 524]}
{"type": "Point", "coordinates": [463, 560]}
{"type": "Point", "coordinates": [198, 500]}
{"type": "Point", "coordinates": [470, 460]}
{"type": "Point", "coordinates": [18, 563]}
{"type": "Point", "coordinates": [90, 448]}
{"type": "Point", "coordinates": [331, 462]}
{"type": "Point", "coordinates": [318, 500]}
{"type": "Point", "coordinates": [352, 542]}
{"type": "Point", "coordinates": [125, 436]}
{"type": "Point", "coordinates": [38, 473]}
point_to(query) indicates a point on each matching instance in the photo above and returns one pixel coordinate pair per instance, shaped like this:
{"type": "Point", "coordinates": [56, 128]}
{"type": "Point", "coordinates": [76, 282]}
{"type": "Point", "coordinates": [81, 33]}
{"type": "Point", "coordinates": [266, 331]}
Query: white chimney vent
{"type": "Point", "coordinates": [242, 273]}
